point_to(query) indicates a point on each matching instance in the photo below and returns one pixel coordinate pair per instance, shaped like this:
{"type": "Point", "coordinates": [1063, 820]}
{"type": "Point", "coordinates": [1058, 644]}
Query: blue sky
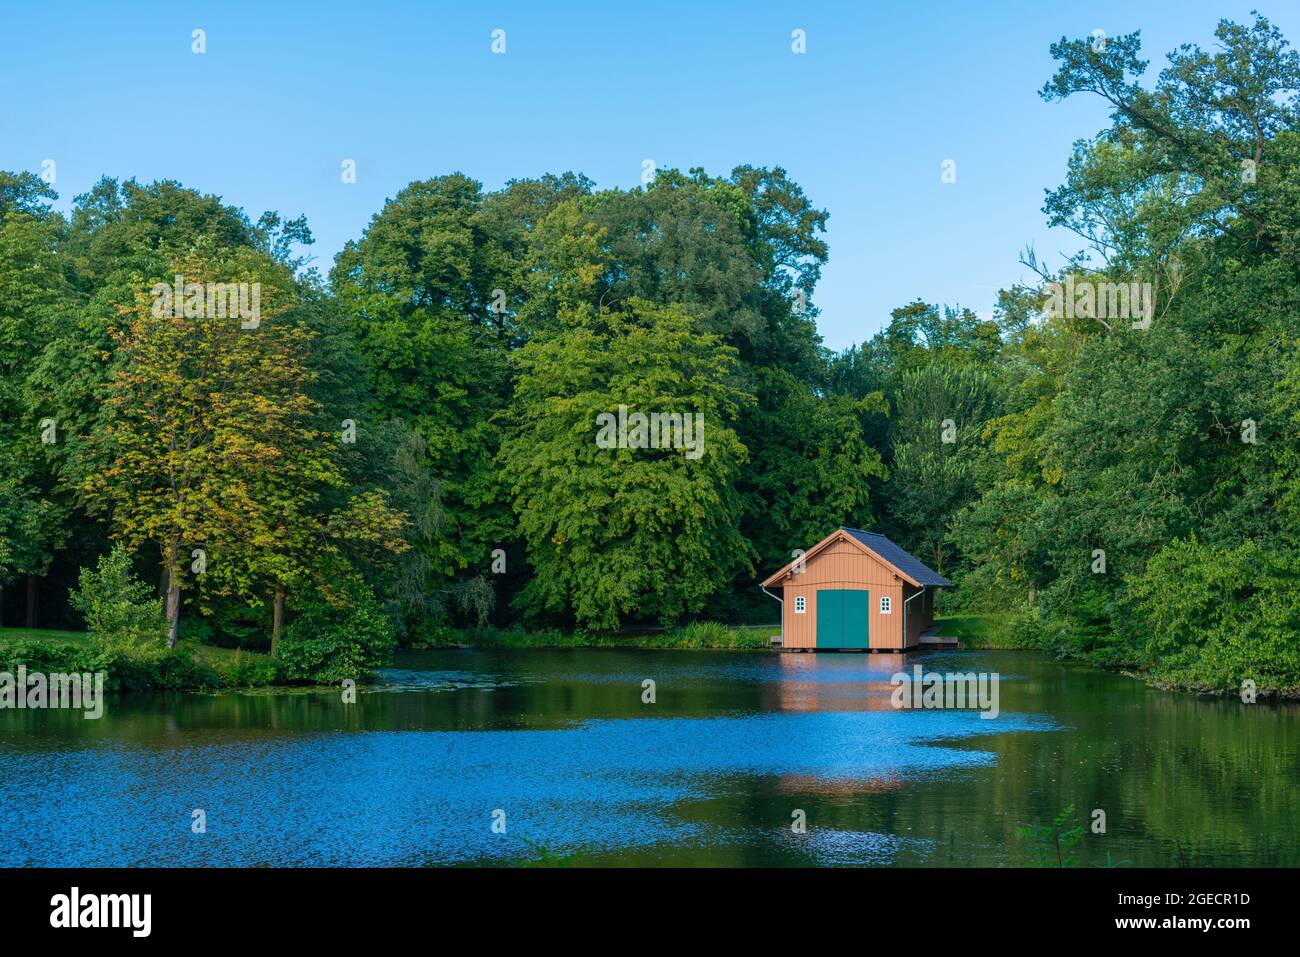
{"type": "Point", "coordinates": [885, 93]}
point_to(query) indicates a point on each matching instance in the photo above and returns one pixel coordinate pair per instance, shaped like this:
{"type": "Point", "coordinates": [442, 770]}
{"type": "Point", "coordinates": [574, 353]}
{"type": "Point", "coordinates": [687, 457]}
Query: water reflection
{"type": "Point", "coordinates": [709, 774]}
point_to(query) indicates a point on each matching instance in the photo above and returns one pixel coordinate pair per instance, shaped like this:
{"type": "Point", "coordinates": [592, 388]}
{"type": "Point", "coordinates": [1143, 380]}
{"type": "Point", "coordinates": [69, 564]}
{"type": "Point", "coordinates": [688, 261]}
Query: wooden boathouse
{"type": "Point", "coordinates": [855, 591]}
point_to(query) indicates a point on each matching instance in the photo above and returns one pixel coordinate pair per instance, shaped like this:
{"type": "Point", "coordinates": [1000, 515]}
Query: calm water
{"type": "Point", "coordinates": [709, 774]}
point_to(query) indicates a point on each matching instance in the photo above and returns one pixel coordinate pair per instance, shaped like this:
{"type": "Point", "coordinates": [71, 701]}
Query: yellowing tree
{"type": "Point", "coordinates": [209, 439]}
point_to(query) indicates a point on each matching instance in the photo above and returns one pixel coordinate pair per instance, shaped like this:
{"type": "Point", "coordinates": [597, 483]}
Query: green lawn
{"type": "Point", "coordinates": [990, 630]}
{"type": "Point", "coordinates": [207, 654]}
{"type": "Point", "coordinates": [45, 634]}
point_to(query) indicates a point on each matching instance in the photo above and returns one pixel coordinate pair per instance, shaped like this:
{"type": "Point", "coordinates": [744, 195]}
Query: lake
{"type": "Point", "coordinates": [557, 748]}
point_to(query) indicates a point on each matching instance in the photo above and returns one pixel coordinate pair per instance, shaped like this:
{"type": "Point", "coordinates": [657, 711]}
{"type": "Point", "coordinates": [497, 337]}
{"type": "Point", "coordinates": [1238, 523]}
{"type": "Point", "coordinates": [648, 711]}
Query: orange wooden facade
{"type": "Point", "coordinates": [842, 562]}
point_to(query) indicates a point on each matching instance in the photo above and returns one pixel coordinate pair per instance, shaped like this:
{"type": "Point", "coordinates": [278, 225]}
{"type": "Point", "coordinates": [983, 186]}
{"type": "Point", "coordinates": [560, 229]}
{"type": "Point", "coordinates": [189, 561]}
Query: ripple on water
{"type": "Point", "coordinates": [397, 679]}
{"type": "Point", "coordinates": [375, 798]}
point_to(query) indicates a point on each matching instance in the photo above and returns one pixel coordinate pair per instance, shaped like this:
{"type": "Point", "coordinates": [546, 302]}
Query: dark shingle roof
{"type": "Point", "coordinates": [903, 561]}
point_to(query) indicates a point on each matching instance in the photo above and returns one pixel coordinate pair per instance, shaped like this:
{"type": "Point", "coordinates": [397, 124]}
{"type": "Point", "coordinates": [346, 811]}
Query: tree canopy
{"type": "Point", "coordinates": [423, 439]}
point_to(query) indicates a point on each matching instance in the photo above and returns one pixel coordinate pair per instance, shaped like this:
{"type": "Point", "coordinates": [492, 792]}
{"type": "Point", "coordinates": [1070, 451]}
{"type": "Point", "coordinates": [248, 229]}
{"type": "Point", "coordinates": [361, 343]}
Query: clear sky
{"type": "Point", "coordinates": [863, 120]}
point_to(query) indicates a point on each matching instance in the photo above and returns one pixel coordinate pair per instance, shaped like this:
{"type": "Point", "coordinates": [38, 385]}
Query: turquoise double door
{"type": "Point", "coordinates": [842, 617]}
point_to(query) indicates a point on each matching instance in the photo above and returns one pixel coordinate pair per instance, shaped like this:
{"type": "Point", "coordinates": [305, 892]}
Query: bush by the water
{"type": "Point", "coordinates": [713, 634]}
{"type": "Point", "coordinates": [127, 628]}
{"type": "Point", "coordinates": [49, 657]}
{"type": "Point", "coordinates": [141, 669]}
{"type": "Point", "coordinates": [330, 641]}
{"type": "Point", "coordinates": [1219, 617]}
{"type": "Point", "coordinates": [122, 613]}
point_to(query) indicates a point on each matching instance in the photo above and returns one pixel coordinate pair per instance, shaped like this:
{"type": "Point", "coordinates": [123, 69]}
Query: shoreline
{"type": "Point", "coordinates": [211, 669]}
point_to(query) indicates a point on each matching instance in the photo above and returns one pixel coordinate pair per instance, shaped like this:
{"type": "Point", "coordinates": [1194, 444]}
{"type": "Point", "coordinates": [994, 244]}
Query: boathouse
{"type": "Point", "coordinates": [857, 591]}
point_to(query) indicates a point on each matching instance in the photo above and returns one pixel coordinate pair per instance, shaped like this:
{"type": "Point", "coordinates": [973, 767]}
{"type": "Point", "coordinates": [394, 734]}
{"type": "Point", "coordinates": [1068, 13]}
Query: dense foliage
{"type": "Point", "coordinates": [121, 612]}
{"type": "Point", "coordinates": [414, 444]}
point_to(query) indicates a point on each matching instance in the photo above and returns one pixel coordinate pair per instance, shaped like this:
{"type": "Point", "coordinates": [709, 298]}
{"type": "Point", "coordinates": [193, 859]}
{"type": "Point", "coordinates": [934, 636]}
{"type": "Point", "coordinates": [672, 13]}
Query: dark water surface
{"type": "Point", "coordinates": [711, 773]}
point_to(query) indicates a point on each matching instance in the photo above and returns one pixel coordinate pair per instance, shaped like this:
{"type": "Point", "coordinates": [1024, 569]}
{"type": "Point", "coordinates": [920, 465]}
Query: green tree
{"type": "Point", "coordinates": [825, 477]}
{"type": "Point", "coordinates": [939, 415]}
{"type": "Point", "coordinates": [433, 288]}
{"type": "Point", "coordinates": [615, 532]}
{"type": "Point", "coordinates": [121, 612]}
{"type": "Point", "coordinates": [1138, 460]}
{"type": "Point", "coordinates": [36, 299]}
{"type": "Point", "coordinates": [192, 405]}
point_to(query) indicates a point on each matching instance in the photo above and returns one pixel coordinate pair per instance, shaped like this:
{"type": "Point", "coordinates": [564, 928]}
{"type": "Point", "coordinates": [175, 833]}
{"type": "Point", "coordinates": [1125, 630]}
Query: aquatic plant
{"type": "Point", "coordinates": [1050, 844]}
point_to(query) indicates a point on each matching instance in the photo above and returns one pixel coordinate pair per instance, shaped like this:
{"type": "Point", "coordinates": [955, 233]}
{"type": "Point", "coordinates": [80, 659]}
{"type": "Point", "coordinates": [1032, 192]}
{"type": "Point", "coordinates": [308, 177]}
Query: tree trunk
{"type": "Point", "coordinates": [31, 601]}
{"type": "Point", "coordinates": [277, 618]}
{"type": "Point", "coordinates": [1033, 595]}
{"type": "Point", "coordinates": [173, 593]}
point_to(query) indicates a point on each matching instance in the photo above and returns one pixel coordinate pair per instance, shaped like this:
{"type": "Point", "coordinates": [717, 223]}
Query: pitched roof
{"type": "Point", "coordinates": [905, 566]}
{"type": "Point", "coordinates": [904, 561]}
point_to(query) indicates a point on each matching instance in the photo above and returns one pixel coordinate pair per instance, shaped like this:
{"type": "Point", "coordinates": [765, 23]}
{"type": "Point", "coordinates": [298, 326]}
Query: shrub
{"type": "Point", "coordinates": [703, 634]}
{"type": "Point", "coordinates": [239, 624]}
{"type": "Point", "coordinates": [490, 636]}
{"type": "Point", "coordinates": [1027, 629]}
{"type": "Point", "coordinates": [154, 668]}
{"type": "Point", "coordinates": [159, 668]}
{"type": "Point", "coordinates": [1217, 617]}
{"type": "Point", "coordinates": [121, 611]}
{"type": "Point", "coordinates": [713, 634]}
{"type": "Point", "coordinates": [49, 657]}
{"type": "Point", "coordinates": [330, 641]}
{"type": "Point", "coordinates": [253, 671]}
{"type": "Point", "coordinates": [195, 630]}
{"type": "Point", "coordinates": [434, 636]}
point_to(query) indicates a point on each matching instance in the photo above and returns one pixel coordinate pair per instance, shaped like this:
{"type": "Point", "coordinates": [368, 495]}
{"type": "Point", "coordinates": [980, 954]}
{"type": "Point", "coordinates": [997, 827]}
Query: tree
{"type": "Point", "coordinates": [740, 255]}
{"type": "Point", "coordinates": [193, 403]}
{"type": "Point", "coordinates": [35, 301]}
{"type": "Point", "coordinates": [825, 477]}
{"type": "Point", "coordinates": [1138, 480]}
{"type": "Point", "coordinates": [432, 289]}
{"type": "Point", "coordinates": [121, 611]}
{"type": "Point", "coordinates": [939, 415]}
{"type": "Point", "coordinates": [613, 532]}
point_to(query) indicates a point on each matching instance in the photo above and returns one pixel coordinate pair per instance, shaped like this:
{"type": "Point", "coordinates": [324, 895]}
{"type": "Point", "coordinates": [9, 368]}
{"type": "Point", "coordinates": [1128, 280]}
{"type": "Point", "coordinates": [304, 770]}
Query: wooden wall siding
{"type": "Point", "coordinates": [843, 565]}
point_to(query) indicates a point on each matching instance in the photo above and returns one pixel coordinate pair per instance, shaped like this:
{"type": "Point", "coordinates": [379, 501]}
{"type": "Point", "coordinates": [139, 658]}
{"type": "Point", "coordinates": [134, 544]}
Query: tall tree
{"type": "Point", "coordinates": [36, 300]}
{"type": "Point", "coordinates": [1142, 457]}
{"type": "Point", "coordinates": [193, 402]}
{"type": "Point", "coordinates": [433, 288]}
{"type": "Point", "coordinates": [637, 529]}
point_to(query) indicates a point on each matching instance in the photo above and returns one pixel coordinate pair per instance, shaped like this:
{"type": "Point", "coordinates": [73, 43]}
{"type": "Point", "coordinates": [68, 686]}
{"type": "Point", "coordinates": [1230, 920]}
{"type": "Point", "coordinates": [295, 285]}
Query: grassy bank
{"type": "Point", "coordinates": [196, 667]}
{"type": "Point", "coordinates": [697, 635]}
{"type": "Point", "coordinates": [983, 631]}
{"type": "Point", "coordinates": [188, 667]}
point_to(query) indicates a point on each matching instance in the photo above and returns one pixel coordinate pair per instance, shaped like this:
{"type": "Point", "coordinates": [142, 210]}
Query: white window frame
{"type": "Point", "coordinates": [886, 605]}
{"type": "Point", "coordinates": [800, 605]}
